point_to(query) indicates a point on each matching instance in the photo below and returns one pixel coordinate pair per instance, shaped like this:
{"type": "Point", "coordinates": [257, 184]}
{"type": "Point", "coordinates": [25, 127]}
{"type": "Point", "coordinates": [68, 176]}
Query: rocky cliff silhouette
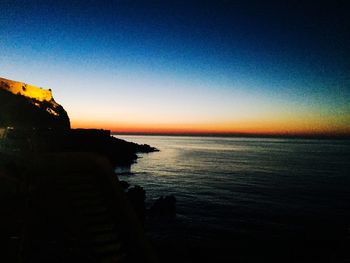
{"type": "Point", "coordinates": [32, 121]}
{"type": "Point", "coordinates": [27, 106]}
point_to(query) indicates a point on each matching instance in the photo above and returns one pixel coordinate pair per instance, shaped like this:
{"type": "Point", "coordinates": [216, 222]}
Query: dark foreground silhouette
{"type": "Point", "coordinates": [67, 208]}
{"type": "Point", "coordinates": [60, 201]}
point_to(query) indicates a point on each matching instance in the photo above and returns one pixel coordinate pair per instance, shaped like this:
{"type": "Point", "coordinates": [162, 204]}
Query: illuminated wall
{"type": "Point", "coordinates": [39, 97]}
{"type": "Point", "coordinates": [26, 90]}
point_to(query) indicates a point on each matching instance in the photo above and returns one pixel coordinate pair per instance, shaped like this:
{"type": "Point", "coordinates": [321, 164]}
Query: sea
{"type": "Point", "coordinates": [231, 187]}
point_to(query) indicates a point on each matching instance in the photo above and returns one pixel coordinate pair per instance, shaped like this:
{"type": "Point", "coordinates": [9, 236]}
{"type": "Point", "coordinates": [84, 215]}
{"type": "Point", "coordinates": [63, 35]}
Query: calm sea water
{"type": "Point", "coordinates": [253, 187]}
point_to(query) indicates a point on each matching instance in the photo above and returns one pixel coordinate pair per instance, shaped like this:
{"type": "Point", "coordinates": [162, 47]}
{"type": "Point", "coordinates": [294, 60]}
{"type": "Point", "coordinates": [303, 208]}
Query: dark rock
{"type": "Point", "coordinates": [137, 196]}
{"type": "Point", "coordinates": [118, 151]}
{"type": "Point", "coordinates": [164, 207]}
{"type": "Point", "coordinates": [145, 148]}
{"type": "Point", "coordinates": [125, 185]}
{"type": "Point", "coordinates": [32, 121]}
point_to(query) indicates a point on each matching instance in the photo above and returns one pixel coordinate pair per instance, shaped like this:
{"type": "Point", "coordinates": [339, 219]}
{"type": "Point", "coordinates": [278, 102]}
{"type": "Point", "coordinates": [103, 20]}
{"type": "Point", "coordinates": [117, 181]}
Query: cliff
{"type": "Point", "coordinates": [31, 120]}
{"type": "Point", "coordinates": [28, 106]}
{"type": "Point", "coordinates": [56, 176]}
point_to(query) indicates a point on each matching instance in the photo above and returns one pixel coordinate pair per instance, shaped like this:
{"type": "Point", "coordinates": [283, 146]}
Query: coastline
{"type": "Point", "coordinates": [263, 202]}
{"type": "Point", "coordinates": [30, 164]}
{"type": "Point", "coordinates": [220, 248]}
{"type": "Point", "coordinates": [59, 191]}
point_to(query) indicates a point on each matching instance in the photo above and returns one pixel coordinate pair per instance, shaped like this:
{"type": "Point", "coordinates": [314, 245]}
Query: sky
{"type": "Point", "coordinates": [203, 67]}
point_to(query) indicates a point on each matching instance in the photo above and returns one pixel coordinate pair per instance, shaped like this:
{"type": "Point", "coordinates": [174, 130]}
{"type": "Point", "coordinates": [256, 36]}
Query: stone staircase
{"type": "Point", "coordinates": [77, 212]}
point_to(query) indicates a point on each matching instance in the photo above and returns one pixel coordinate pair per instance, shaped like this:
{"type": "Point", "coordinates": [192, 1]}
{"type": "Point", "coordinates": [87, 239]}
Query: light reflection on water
{"type": "Point", "coordinates": [244, 184]}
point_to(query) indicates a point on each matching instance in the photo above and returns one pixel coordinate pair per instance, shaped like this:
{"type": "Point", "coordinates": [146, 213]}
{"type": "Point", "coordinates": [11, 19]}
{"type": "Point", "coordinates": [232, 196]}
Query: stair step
{"type": "Point", "coordinates": [98, 220]}
{"type": "Point", "coordinates": [101, 228]}
{"type": "Point", "coordinates": [71, 178]}
{"type": "Point", "coordinates": [87, 203]}
{"type": "Point", "coordinates": [98, 210]}
{"type": "Point", "coordinates": [76, 187]}
{"type": "Point", "coordinates": [117, 258]}
{"type": "Point", "coordinates": [104, 239]}
{"type": "Point", "coordinates": [76, 196]}
{"type": "Point", "coordinates": [108, 248]}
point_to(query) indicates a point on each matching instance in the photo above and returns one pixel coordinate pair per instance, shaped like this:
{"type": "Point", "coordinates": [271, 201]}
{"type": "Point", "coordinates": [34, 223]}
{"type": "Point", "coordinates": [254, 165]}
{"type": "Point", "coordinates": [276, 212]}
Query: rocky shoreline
{"type": "Point", "coordinates": [37, 148]}
{"type": "Point", "coordinates": [117, 151]}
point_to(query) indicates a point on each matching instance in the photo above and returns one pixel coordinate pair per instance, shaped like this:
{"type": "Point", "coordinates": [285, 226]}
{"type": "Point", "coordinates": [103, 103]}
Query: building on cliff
{"type": "Point", "coordinates": [28, 112]}
{"type": "Point", "coordinates": [24, 106]}
{"type": "Point", "coordinates": [26, 90]}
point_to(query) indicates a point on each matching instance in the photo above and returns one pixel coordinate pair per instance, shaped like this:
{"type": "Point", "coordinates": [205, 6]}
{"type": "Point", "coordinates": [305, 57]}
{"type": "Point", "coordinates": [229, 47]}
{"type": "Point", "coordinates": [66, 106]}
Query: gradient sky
{"type": "Point", "coordinates": [185, 66]}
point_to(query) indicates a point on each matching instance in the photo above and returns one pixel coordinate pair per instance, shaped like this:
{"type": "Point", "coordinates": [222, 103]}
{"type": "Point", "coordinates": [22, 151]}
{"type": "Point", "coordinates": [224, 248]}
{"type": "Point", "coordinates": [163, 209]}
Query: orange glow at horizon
{"type": "Point", "coordinates": [289, 126]}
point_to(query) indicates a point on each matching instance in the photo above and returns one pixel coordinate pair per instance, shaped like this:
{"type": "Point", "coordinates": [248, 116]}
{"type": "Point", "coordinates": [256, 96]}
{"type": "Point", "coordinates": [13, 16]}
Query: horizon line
{"type": "Point", "coordinates": [247, 135]}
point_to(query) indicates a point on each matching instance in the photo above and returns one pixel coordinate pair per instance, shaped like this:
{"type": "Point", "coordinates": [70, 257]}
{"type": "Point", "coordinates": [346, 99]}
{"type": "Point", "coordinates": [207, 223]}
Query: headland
{"type": "Point", "coordinates": [60, 197]}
